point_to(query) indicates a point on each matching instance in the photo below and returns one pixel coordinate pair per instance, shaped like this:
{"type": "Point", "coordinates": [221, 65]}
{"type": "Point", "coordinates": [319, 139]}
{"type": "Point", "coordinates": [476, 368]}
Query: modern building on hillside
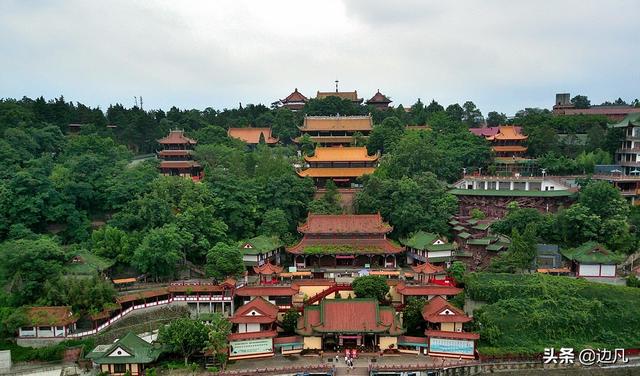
{"type": "Point", "coordinates": [343, 165]}
{"type": "Point", "coordinates": [253, 136]}
{"type": "Point", "coordinates": [128, 355]}
{"type": "Point", "coordinates": [593, 260]}
{"type": "Point", "coordinates": [563, 106]}
{"type": "Point", "coordinates": [492, 194]}
{"type": "Point", "coordinates": [176, 156]}
{"type": "Point", "coordinates": [379, 101]}
{"type": "Point", "coordinates": [345, 241]}
{"type": "Point", "coordinates": [335, 130]}
{"type": "Point", "coordinates": [349, 323]}
{"type": "Point", "coordinates": [628, 155]}
{"type": "Point", "coordinates": [294, 101]}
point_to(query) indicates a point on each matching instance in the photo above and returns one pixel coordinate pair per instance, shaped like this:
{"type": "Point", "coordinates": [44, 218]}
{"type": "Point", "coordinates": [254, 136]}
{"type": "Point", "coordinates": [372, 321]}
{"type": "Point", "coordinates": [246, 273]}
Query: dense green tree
{"type": "Point", "coordinates": [290, 321]}
{"type": "Point", "coordinates": [184, 336]}
{"type": "Point", "coordinates": [211, 135]}
{"type": "Point", "coordinates": [160, 252]}
{"type": "Point", "coordinates": [112, 243]}
{"type": "Point", "coordinates": [285, 125]}
{"type": "Point", "coordinates": [581, 101]}
{"type": "Point", "coordinates": [471, 115]}
{"type": "Point", "coordinates": [412, 319]}
{"type": "Point", "coordinates": [455, 112]}
{"type": "Point", "coordinates": [576, 225]}
{"type": "Point", "coordinates": [84, 295]}
{"type": "Point", "coordinates": [457, 271]}
{"type": "Point", "coordinates": [224, 260]}
{"type": "Point", "coordinates": [520, 255]}
{"type": "Point", "coordinates": [371, 286]}
{"type": "Point", "coordinates": [409, 204]}
{"type": "Point", "coordinates": [496, 118]}
{"type": "Point", "coordinates": [603, 199]}
{"type": "Point", "coordinates": [219, 329]}
{"type": "Point", "coordinates": [385, 136]}
{"type": "Point", "coordinates": [329, 203]}
{"type": "Point", "coordinates": [25, 265]}
{"type": "Point", "coordinates": [519, 219]}
{"type": "Point", "coordinates": [274, 223]}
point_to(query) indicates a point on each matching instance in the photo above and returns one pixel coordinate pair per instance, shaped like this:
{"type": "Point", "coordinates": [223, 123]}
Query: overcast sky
{"type": "Point", "coordinates": [503, 55]}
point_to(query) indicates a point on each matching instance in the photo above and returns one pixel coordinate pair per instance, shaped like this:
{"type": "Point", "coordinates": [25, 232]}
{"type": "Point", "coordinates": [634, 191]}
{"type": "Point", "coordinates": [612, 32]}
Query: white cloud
{"type": "Point", "coordinates": [504, 55]}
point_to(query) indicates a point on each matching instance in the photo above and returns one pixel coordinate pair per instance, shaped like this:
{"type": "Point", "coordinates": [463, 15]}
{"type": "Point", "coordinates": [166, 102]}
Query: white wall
{"type": "Point", "coordinates": [585, 270]}
{"type": "Point", "coordinates": [608, 270]}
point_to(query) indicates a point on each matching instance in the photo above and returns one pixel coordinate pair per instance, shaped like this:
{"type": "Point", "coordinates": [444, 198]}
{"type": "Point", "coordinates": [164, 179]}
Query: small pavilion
{"type": "Point", "coordinates": [426, 272]}
{"type": "Point", "coordinates": [268, 273]}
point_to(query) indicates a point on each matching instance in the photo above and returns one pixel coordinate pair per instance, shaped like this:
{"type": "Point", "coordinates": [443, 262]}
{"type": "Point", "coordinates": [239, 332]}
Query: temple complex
{"type": "Point", "coordinates": [253, 136]}
{"type": "Point", "coordinates": [492, 194]}
{"type": "Point", "coordinates": [260, 250]}
{"type": "Point", "coordinates": [48, 322]}
{"type": "Point", "coordinates": [379, 101]}
{"type": "Point", "coordinates": [294, 101]}
{"type": "Point", "coordinates": [335, 130]}
{"type": "Point", "coordinates": [343, 165]}
{"type": "Point", "coordinates": [344, 241]}
{"type": "Point", "coordinates": [176, 156]}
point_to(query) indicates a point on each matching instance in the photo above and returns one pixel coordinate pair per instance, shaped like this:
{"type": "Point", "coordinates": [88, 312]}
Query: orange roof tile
{"type": "Point", "coordinates": [379, 98]}
{"type": "Point", "coordinates": [507, 133]}
{"type": "Point", "coordinates": [177, 137]}
{"type": "Point", "coordinates": [257, 311]}
{"type": "Point", "coordinates": [51, 316]}
{"type": "Point", "coordinates": [438, 309]}
{"type": "Point", "coordinates": [337, 123]}
{"type": "Point", "coordinates": [341, 154]}
{"type": "Point", "coordinates": [267, 290]}
{"type": "Point", "coordinates": [356, 245]}
{"type": "Point", "coordinates": [252, 135]}
{"type": "Point", "coordinates": [345, 224]}
{"type": "Point", "coordinates": [267, 269]}
{"type": "Point", "coordinates": [508, 148]}
{"type": "Point", "coordinates": [350, 95]}
{"type": "Point", "coordinates": [349, 316]}
{"type": "Point", "coordinates": [338, 172]}
{"type": "Point", "coordinates": [426, 290]}
{"type": "Point", "coordinates": [427, 268]}
{"type": "Point", "coordinates": [296, 96]}
{"type": "Point", "coordinates": [179, 164]}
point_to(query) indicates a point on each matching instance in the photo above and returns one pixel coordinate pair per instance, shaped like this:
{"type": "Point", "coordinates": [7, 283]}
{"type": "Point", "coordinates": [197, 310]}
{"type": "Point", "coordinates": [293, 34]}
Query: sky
{"type": "Point", "coordinates": [503, 55]}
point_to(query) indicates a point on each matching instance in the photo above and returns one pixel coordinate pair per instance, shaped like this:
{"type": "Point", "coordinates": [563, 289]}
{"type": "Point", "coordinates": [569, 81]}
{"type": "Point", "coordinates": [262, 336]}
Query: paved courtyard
{"type": "Point", "coordinates": [360, 364]}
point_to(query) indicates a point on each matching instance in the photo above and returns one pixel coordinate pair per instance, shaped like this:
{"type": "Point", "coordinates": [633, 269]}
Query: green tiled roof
{"type": "Point", "coordinates": [472, 221]}
{"type": "Point", "coordinates": [495, 247]}
{"type": "Point", "coordinates": [458, 228]}
{"type": "Point", "coordinates": [481, 241]}
{"type": "Point", "coordinates": [513, 193]}
{"type": "Point", "coordinates": [482, 226]}
{"type": "Point", "coordinates": [423, 241]}
{"type": "Point", "coordinates": [139, 350]}
{"type": "Point", "coordinates": [454, 222]}
{"type": "Point", "coordinates": [464, 235]}
{"type": "Point", "coordinates": [592, 253]}
{"type": "Point", "coordinates": [260, 244]}
{"type": "Point", "coordinates": [632, 119]}
{"type": "Point", "coordinates": [439, 259]}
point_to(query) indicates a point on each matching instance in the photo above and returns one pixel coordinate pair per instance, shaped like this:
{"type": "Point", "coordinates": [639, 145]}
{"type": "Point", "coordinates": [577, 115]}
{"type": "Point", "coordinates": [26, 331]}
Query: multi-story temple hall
{"type": "Point", "coordinates": [345, 240]}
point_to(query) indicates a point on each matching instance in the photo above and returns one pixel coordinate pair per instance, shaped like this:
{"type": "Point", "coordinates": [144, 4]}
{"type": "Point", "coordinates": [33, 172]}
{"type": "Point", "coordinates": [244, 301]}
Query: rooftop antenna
{"type": "Point", "coordinates": [337, 85]}
{"type": "Point", "coordinates": [141, 102]}
{"type": "Point", "coordinates": [135, 100]}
